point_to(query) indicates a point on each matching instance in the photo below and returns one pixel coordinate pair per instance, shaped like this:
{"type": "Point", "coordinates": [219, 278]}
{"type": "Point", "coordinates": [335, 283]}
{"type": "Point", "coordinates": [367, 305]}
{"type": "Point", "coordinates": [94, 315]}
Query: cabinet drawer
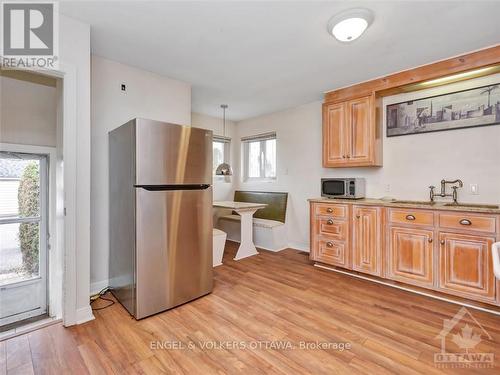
{"type": "Point", "coordinates": [332, 228]}
{"type": "Point", "coordinates": [332, 252]}
{"type": "Point", "coordinates": [338, 211]}
{"type": "Point", "coordinates": [468, 222]}
{"type": "Point", "coordinates": [411, 217]}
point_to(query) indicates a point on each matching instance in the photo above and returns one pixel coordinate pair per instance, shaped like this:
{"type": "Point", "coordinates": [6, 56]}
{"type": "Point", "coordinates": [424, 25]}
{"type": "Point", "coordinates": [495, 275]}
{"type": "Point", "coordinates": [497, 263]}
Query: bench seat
{"type": "Point", "coordinates": [264, 223]}
{"type": "Point", "coordinates": [269, 229]}
{"type": "Point", "coordinates": [267, 234]}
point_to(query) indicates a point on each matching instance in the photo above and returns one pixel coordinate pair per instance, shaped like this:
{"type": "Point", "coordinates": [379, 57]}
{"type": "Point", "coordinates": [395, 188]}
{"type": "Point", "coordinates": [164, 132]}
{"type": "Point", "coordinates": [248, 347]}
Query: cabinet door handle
{"type": "Point", "coordinates": [410, 217]}
{"type": "Point", "coordinates": [430, 240]}
{"type": "Point", "coordinates": [442, 242]}
{"type": "Point", "coordinates": [465, 222]}
{"type": "Point", "coordinates": [343, 156]}
{"type": "Point", "coordinates": [358, 216]}
{"type": "Point", "coordinates": [329, 221]}
{"type": "Point", "coordinates": [329, 210]}
{"type": "Point", "coordinates": [329, 244]}
{"type": "Point", "coordinates": [348, 156]}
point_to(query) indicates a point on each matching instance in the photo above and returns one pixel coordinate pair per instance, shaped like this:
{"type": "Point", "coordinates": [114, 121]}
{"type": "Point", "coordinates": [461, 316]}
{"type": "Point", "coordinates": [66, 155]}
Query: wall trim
{"type": "Point", "coordinates": [84, 315]}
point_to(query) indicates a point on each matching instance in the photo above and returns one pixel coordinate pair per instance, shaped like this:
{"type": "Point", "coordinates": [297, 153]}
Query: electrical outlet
{"type": "Point", "coordinates": [387, 188]}
{"type": "Point", "coordinates": [123, 87]}
{"type": "Point", "coordinates": [474, 189]}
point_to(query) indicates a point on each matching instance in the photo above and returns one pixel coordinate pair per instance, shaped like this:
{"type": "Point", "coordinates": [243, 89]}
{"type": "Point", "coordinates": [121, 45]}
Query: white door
{"type": "Point", "coordinates": [23, 236]}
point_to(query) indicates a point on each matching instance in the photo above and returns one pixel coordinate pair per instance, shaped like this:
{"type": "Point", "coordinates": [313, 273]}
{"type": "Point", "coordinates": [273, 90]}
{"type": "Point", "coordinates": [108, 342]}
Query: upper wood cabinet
{"type": "Point", "coordinates": [350, 136]}
{"type": "Point", "coordinates": [366, 240]}
{"type": "Point", "coordinates": [334, 135]}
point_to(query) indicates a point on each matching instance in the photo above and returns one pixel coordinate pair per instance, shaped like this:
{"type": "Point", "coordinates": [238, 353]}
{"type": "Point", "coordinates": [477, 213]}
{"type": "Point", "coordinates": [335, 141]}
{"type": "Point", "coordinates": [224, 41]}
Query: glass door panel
{"type": "Point", "coordinates": [23, 236]}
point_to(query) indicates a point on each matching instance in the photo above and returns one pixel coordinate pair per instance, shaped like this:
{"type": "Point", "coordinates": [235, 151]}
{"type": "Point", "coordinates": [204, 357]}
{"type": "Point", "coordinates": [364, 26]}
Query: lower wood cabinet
{"type": "Point", "coordinates": [411, 256]}
{"type": "Point", "coordinates": [367, 240]}
{"type": "Point", "coordinates": [466, 267]}
{"type": "Point", "coordinates": [330, 234]}
{"type": "Point", "coordinates": [440, 250]}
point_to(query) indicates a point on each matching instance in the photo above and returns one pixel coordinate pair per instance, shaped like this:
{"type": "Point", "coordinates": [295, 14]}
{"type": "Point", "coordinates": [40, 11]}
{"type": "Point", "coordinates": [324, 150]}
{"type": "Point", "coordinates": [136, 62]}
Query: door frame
{"type": "Point", "coordinates": [64, 288]}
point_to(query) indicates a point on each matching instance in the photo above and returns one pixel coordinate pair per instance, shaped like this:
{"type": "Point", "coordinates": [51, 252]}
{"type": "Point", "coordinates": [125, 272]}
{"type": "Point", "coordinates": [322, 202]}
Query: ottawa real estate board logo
{"type": "Point", "coordinates": [460, 338]}
{"type": "Point", "coordinates": [29, 37]}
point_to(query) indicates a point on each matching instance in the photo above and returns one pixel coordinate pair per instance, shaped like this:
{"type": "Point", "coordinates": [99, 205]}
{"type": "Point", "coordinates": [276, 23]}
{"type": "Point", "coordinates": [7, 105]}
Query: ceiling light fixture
{"type": "Point", "coordinates": [224, 169]}
{"type": "Point", "coordinates": [350, 24]}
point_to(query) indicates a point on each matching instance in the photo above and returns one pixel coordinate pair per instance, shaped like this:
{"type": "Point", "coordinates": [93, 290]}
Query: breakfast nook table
{"type": "Point", "coordinates": [246, 211]}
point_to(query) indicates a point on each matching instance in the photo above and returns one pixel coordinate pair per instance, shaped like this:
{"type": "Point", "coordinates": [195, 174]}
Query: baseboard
{"type": "Point", "coordinates": [299, 246]}
{"type": "Point", "coordinates": [258, 247]}
{"type": "Point", "coordinates": [84, 314]}
{"type": "Point", "coordinates": [98, 286]}
{"type": "Point", "coordinates": [492, 310]}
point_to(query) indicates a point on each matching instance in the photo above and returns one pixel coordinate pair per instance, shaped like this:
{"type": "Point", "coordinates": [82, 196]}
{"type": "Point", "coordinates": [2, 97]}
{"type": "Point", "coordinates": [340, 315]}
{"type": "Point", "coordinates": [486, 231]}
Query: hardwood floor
{"type": "Point", "coordinates": [266, 300]}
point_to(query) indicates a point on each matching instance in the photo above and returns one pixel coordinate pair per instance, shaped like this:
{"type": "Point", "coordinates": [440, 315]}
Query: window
{"type": "Point", "coordinates": [259, 157]}
{"type": "Point", "coordinates": [221, 151]}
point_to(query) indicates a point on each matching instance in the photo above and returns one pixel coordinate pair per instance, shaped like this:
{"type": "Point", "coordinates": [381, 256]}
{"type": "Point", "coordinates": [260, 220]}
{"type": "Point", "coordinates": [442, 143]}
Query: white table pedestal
{"type": "Point", "coordinates": [246, 211]}
{"type": "Point", "coordinates": [247, 247]}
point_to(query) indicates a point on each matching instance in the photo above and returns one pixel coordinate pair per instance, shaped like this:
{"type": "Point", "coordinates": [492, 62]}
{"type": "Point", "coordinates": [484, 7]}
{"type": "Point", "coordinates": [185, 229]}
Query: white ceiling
{"type": "Point", "coordinates": [261, 57]}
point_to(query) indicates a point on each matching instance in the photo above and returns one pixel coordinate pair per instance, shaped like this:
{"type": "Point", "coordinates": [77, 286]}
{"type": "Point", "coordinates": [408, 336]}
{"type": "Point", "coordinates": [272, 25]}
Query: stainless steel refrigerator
{"type": "Point", "coordinates": [160, 215]}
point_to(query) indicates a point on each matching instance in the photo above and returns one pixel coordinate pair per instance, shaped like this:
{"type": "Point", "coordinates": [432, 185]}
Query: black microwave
{"type": "Point", "coordinates": [351, 188]}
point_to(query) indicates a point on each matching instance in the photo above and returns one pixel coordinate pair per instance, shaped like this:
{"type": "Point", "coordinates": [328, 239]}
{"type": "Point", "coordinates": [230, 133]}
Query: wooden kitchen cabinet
{"type": "Point", "coordinates": [366, 240]}
{"type": "Point", "coordinates": [334, 135]}
{"type": "Point", "coordinates": [350, 137]}
{"type": "Point", "coordinates": [465, 265]}
{"type": "Point", "coordinates": [446, 251]}
{"type": "Point", "coordinates": [330, 234]}
{"type": "Point", "coordinates": [411, 256]}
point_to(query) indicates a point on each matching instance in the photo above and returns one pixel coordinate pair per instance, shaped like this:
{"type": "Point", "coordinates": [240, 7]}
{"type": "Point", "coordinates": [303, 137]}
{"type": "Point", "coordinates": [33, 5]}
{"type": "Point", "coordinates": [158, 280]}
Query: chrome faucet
{"type": "Point", "coordinates": [443, 194]}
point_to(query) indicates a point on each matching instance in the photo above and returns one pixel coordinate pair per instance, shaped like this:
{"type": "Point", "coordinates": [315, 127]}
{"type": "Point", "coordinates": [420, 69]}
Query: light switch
{"type": "Point", "coordinates": [474, 189]}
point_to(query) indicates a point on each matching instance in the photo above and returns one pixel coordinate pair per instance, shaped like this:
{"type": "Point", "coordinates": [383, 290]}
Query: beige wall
{"type": "Point", "coordinates": [27, 113]}
{"type": "Point", "coordinates": [148, 95]}
{"type": "Point", "coordinates": [411, 163]}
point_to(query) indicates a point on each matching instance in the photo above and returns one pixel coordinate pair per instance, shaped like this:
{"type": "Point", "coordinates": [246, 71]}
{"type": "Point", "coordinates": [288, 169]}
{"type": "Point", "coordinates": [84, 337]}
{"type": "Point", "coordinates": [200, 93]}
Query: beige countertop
{"type": "Point", "coordinates": [462, 207]}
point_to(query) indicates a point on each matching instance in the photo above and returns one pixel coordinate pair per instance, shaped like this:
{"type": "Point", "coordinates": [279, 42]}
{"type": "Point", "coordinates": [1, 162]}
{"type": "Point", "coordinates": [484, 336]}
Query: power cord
{"type": "Point", "coordinates": [100, 295]}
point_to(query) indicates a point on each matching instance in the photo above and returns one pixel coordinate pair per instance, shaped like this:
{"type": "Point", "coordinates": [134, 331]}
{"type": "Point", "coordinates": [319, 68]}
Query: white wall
{"type": "Point", "coordinates": [411, 163]}
{"type": "Point", "coordinates": [27, 113]}
{"type": "Point", "coordinates": [223, 186]}
{"type": "Point", "coordinates": [147, 95]}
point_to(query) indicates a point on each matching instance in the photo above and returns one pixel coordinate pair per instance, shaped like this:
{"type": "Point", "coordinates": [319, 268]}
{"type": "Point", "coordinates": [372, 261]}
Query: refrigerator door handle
{"type": "Point", "coordinates": [173, 187]}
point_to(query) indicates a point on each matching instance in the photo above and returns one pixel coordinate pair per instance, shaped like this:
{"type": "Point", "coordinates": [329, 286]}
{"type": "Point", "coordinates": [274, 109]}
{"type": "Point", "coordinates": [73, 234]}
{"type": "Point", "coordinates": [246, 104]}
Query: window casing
{"type": "Point", "coordinates": [259, 157]}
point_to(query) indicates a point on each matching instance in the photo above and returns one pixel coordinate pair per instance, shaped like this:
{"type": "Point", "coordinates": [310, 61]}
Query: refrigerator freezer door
{"type": "Point", "coordinates": [174, 248]}
{"type": "Point", "coordinates": [169, 154]}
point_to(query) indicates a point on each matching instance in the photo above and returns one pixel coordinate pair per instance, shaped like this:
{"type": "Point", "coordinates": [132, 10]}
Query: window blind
{"type": "Point", "coordinates": [259, 137]}
{"type": "Point", "coordinates": [220, 138]}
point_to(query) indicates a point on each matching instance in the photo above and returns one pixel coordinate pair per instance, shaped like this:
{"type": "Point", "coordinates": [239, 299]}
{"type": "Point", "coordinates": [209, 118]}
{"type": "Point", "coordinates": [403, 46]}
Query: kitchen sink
{"type": "Point", "coordinates": [472, 205]}
{"type": "Point", "coordinates": [426, 203]}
